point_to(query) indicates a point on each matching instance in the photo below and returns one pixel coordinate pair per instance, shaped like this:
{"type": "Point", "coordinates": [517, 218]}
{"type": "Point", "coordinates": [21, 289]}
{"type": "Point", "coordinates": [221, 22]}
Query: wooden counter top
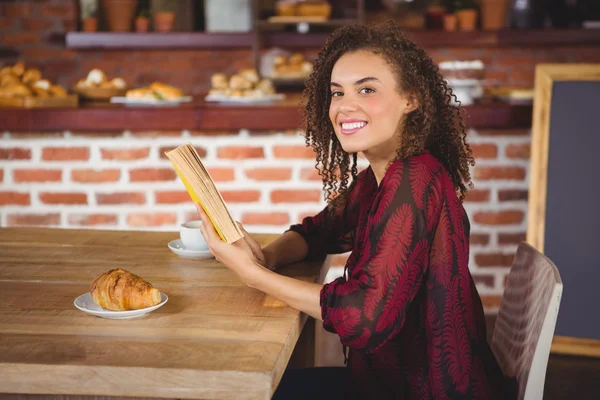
{"type": "Point", "coordinates": [214, 338]}
{"type": "Point", "coordinates": [206, 117]}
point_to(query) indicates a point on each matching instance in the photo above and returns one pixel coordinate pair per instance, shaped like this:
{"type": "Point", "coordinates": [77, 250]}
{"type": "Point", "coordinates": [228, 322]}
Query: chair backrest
{"type": "Point", "coordinates": [526, 320]}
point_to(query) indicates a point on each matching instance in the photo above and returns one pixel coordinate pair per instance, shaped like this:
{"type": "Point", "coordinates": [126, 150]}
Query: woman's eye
{"type": "Point", "coordinates": [366, 90]}
{"type": "Point", "coordinates": [336, 94]}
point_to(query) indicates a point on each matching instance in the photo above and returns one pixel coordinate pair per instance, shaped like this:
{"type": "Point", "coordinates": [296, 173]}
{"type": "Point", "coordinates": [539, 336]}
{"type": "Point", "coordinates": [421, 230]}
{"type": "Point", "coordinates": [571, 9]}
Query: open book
{"type": "Point", "coordinates": [202, 190]}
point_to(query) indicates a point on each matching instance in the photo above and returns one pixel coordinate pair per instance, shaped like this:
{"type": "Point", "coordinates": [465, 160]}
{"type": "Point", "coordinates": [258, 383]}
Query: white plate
{"type": "Point", "coordinates": [243, 99]}
{"type": "Point", "coordinates": [177, 247]}
{"type": "Point", "coordinates": [149, 102]}
{"type": "Point", "coordinates": [86, 303]}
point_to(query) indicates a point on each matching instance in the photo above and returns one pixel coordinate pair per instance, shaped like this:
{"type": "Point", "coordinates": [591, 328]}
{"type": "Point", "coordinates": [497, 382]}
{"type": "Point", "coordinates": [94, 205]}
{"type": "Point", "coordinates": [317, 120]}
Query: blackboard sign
{"type": "Point", "coordinates": [564, 202]}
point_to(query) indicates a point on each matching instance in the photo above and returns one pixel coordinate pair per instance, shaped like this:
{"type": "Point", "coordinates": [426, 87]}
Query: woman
{"type": "Point", "coordinates": [407, 308]}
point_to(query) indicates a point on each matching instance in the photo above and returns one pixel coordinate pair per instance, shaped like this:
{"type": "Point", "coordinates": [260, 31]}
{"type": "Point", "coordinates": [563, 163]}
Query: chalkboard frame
{"type": "Point", "coordinates": [545, 77]}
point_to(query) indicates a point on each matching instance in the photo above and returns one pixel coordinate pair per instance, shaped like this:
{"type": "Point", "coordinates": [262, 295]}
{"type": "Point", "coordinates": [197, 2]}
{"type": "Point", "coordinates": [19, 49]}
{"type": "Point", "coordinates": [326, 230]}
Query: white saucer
{"type": "Point", "coordinates": [177, 247]}
{"type": "Point", "coordinates": [86, 303]}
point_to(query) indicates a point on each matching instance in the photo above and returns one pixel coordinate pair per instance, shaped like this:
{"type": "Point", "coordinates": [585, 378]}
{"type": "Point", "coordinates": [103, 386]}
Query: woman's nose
{"type": "Point", "coordinates": [347, 104]}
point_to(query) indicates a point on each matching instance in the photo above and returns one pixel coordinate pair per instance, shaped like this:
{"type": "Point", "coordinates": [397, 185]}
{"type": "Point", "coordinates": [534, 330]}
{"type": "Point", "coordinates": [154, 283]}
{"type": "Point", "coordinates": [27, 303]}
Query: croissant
{"type": "Point", "coordinates": [120, 290]}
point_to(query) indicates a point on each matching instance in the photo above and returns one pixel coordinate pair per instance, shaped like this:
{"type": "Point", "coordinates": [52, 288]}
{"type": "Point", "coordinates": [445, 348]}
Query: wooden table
{"type": "Point", "coordinates": [214, 339]}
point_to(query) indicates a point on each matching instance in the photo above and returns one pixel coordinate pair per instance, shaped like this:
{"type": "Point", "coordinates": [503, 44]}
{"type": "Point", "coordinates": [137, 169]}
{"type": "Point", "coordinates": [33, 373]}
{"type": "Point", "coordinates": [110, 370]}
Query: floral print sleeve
{"type": "Point", "coordinates": [332, 231]}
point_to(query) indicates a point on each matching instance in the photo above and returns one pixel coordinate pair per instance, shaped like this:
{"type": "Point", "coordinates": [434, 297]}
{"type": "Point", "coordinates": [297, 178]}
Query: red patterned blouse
{"type": "Point", "coordinates": [408, 309]}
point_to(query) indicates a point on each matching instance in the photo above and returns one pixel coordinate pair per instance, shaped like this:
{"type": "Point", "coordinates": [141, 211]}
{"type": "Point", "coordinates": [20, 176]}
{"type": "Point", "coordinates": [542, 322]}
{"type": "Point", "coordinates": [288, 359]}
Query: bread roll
{"type": "Point", "coordinates": [266, 87]}
{"type": "Point", "coordinates": [219, 81]}
{"type": "Point", "coordinates": [238, 82]}
{"type": "Point", "coordinates": [296, 59]}
{"type": "Point", "coordinates": [18, 69]}
{"type": "Point", "coordinates": [58, 91]}
{"type": "Point", "coordinates": [96, 77]}
{"type": "Point", "coordinates": [120, 290]}
{"type": "Point", "coordinates": [279, 60]}
{"type": "Point", "coordinates": [9, 79]}
{"type": "Point", "coordinates": [39, 92]}
{"type": "Point", "coordinates": [250, 75]}
{"type": "Point", "coordinates": [118, 83]}
{"type": "Point", "coordinates": [43, 84]}
{"type": "Point", "coordinates": [17, 90]}
{"type": "Point", "coordinates": [31, 75]}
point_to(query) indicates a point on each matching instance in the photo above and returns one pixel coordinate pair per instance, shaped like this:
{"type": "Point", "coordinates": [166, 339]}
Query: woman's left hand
{"type": "Point", "coordinates": [237, 256]}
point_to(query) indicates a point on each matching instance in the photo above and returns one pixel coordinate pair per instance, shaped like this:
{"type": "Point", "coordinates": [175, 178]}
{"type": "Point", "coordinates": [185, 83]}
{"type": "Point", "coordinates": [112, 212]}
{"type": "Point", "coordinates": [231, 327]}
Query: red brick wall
{"type": "Point", "coordinates": [31, 26]}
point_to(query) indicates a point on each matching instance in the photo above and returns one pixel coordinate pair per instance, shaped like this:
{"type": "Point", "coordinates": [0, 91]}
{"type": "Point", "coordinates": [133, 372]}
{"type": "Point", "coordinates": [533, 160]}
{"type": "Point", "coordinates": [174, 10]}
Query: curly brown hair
{"type": "Point", "coordinates": [436, 125]}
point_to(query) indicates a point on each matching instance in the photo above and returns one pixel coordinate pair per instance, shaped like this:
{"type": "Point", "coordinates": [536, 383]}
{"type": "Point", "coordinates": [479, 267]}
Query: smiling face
{"type": "Point", "coordinates": [367, 111]}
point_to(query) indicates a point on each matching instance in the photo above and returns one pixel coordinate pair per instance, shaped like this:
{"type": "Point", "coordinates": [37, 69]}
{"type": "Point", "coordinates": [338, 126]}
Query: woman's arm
{"type": "Point", "coordinates": [301, 295]}
{"type": "Point", "coordinates": [286, 249]}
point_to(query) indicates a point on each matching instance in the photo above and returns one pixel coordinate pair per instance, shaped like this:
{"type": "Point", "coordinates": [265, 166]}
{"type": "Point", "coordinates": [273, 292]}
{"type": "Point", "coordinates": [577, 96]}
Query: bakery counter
{"type": "Point", "coordinates": [202, 116]}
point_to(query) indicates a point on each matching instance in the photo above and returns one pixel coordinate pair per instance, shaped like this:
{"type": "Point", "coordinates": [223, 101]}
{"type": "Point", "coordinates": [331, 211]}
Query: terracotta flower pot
{"type": "Point", "coordinates": [163, 21]}
{"type": "Point", "coordinates": [450, 22]}
{"type": "Point", "coordinates": [467, 19]}
{"type": "Point", "coordinates": [119, 14]}
{"type": "Point", "coordinates": [142, 24]}
{"type": "Point", "coordinates": [493, 14]}
{"type": "Point", "coordinates": [90, 24]}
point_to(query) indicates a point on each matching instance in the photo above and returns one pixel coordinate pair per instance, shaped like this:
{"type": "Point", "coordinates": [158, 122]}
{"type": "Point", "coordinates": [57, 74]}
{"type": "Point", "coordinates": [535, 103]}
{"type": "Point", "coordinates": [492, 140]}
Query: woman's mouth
{"type": "Point", "coordinates": [351, 127]}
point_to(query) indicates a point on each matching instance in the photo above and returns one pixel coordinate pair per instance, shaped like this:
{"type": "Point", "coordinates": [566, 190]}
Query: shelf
{"type": "Point", "coordinates": [330, 23]}
{"type": "Point", "coordinates": [153, 40]}
{"type": "Point", "coordinates": [427, 39]}
{"type": "Point", "coordinates": [281, 115]}
{"type": "Point", "coordinates": [507, 38]}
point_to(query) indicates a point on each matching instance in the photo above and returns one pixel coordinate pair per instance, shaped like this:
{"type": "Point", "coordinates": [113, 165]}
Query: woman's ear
{"type": "Point", "coordinates": [412, 103]}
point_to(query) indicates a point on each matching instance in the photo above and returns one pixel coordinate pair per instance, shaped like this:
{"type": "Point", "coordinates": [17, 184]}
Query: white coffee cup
{"type": "Point", "coordinates": [190, 235]}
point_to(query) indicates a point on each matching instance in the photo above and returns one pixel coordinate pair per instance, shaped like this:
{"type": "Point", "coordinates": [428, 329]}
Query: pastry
{"type": "Point", "coordinates": [39, 92]}
{"type": "Point", "coordinates": [266, 87]}
{"type": "Point", "coordinates": [307, 67]}
{"type": "Point", "coordinates": [120, 290]}
{"type": "Point", "coordinates": [96, 77]}
{"type": "Point", "coordinates": [58, 91]}
{"type": "Point", "coordinates": [31, 75]}
{"type": "Point", "coordinates": [239, 82]}
{"type": "Point", "coordinates": [43, 84]}
{"type": "Point", "coordinates": [250, 75]}
{"type": "Point", "coordinates": [141, 93]}
{"type": "Point", "coordinates": [6, 70]}
{"type": "Point", "coordinates": [296, 59]}
{"type": "Point", "coordinates": [118, 83]}
{"type": "Point", "coordinates": [16, 90]}
{"type": "Point", "coordinates": [81, 84]}
{"type": "Point", "coordinates": [165, 91]}
{"type": "Point", "coordinates": [279, 61]}
{"type": "Point", "coordinates": [9, 79]}
{"type": "Point", "coordinates": [18, 69]}
{"type": "Point", "coordinates": [219, 81]}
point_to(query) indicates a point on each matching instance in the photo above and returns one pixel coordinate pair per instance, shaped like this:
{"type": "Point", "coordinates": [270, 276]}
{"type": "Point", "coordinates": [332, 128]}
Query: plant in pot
{"type": "Point", "coordinates": [493, 14]}
{"type": "Point", "coordinates": [142, 21]}
{"type": "Point", "coordinates": [89, 19]}
{"type": "Point", "coordinates": [119, 14]}
{"type": "Point", "coordinates": [164, 16]}
{"type": "Point", "coordinates": [466, 13]}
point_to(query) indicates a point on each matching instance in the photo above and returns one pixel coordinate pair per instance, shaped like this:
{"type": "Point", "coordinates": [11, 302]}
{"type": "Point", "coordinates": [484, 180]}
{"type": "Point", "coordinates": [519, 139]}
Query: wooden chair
{"type": "Point", "coordinates": [526, 320]}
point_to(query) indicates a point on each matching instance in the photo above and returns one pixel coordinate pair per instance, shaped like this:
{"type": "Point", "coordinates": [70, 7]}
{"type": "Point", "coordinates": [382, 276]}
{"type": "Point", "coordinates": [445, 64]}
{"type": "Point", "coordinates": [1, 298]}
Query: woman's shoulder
{"type": "Point", "coordinates": [422, 167]}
